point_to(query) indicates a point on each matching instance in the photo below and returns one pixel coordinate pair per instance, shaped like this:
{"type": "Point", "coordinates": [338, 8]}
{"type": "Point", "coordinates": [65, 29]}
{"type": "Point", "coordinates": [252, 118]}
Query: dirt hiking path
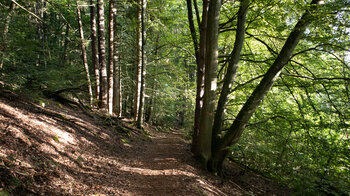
{"type": "Point", "coordinates": [57, 150]}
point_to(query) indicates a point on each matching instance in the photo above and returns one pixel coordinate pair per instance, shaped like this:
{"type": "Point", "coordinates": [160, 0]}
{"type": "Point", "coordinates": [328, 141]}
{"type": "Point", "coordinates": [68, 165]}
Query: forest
{"type": "Point", "coordinates": [261, 84]}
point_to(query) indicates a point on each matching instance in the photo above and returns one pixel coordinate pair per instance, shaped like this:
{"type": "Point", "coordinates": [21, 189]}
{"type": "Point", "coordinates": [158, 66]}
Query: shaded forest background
{"type": "Point", "coordinates": [299, 135]}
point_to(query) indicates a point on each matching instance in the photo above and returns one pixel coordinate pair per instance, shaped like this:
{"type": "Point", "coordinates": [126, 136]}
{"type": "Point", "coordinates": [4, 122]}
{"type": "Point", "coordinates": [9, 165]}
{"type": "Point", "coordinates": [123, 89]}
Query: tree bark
{"type": "Point", "coordinates": [231, 69]}
{"type": "Point", "coordinates": [149, 112]}
{"type": "Point", "coordinates": [83, 52]}
{"type": "Point", "coordinates": [6, 29]}
{"type": "Point", "coordinates": [65, 44]}
{"type": "Point", "coordinates": [200, 78]}
{"type": "Point", "coordinates": [117, 97]}
{"type": "Point", "coordinates": [111, 56]}
{"type": "Point", "coordinates": [210, 82]}
{"type": "Point", "coordinates": [139, 61]}
{"type": "Point", "coordinates": [232, 136]}
{"type": "Point", "coordinates": [197, 13]}
{"type": "Point", "coordinates": [102, 55]}
{"type": "Point", "coordinates": [140, 118]}
{"type": "Point", "coordinates": [94, 50]}
{"type": "Point", "coordinates": [192, 29]}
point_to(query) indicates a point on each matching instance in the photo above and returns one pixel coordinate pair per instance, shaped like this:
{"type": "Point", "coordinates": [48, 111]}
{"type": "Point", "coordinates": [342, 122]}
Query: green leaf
{"type": "Point", "coordinates": [56, 138]}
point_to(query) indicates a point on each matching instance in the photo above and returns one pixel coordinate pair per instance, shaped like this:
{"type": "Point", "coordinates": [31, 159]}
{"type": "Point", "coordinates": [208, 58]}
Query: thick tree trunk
{"type": "Point", "coordinates": [231, 70]}
{"type": "Point", "coordinates": [140, 117]}
{"type": "Point", "coordinates": [94, 50]}
{"type": "Point", "coordinates": [83, 52]}
{"type": "Point", "coordinates": [6, 29]}
{"type": "Point", "coordinates": [111, 56]}
{"type": "Point", "coordinates": [235, 131]}
{"type": "Point", "coordinates": [200, 78]}
{"type": "Point", "coordinates": [139, 61]}
{"type": "Point", "coordinates": [102, 55]}
{"type": "Point", "coordinates": [117, 97]}
{"type": "Point", "coordinates": [210, 82]}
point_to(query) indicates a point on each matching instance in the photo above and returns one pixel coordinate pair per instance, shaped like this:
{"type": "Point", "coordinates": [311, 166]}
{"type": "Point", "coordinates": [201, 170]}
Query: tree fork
{"type": "Point", "coordinates": [231, 70]}
{"type": "Point", "coordinates": [232, 136]}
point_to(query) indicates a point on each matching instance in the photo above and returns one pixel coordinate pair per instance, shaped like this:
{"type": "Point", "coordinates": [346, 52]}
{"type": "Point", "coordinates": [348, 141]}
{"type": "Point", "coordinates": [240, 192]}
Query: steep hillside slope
{"type": "Point", "coordinates": [55, 150]}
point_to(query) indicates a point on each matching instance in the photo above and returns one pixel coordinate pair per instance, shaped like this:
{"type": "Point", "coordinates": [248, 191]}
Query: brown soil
{"type": "Point", "coordinates": [56, 150]}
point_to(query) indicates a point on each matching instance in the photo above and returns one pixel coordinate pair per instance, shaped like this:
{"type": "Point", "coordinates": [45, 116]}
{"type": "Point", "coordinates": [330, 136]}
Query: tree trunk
{"type": "Point", "coordinates": [102, 55]}
{"type": "Point", "coordinates": [6, 29]}
{"type": "Point", "coordinates": [65, 44]}
{"type": "Point", "coordinates": [149, 111]}
{"type": "Point", "coordinates": [200, 78]}
{"type": "Point", "coordinates": [117, 97]}
{"type": "Point", "coordinates": [197, 13]}
{"type": "Point", "coordinates": [210, 82]}
{"type": "Point", "coordinates": [192, 29]}
{"type": "Point", "coordinates": [139, 61]}
{"type": "Point", "coordinates": [83, 52]}
{"type": "Point", "coordinates": [111, 56]}
{"type": "Point", "coordinates": [94, 50]}
{"type": "Point", "coordinates": [235, 131]}
{"type": "Point", "coordinates": [231, 69]}
{"type": "Point", "coordinates": [143, 67]}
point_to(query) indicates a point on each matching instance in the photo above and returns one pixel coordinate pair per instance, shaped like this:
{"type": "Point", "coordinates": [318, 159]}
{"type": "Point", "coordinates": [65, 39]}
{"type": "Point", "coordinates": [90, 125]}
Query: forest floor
{"type": "Point", "coordinates": [57, 150]}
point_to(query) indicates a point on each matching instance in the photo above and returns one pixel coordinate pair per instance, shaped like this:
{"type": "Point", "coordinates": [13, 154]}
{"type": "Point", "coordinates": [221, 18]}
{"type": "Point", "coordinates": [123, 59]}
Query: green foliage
{"type": "Point", "coordinates": [125, 140]}
{"type": "Point", "coordinates": [56, 139]}
{"type": "Point", "coordinates": [4, 193]}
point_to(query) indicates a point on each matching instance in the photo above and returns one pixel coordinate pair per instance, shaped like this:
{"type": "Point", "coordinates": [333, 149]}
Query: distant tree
{"type": "Point", "coordinates": [94, 50]}
{"type": "Point", "coordinates": [111, 55]}
{"type": "Point", "coordinates": [83, 53]}
{"type": "Point", "coordinates": [117, 92]}
{"type": "Point", "coordinates": [139, 61]}
{"type": "Point", "coordinates": [5, 31]}
{"type": "Point", "coordinates": [102, 55]}
{"type": "Point", "coordinates": [140, 117]}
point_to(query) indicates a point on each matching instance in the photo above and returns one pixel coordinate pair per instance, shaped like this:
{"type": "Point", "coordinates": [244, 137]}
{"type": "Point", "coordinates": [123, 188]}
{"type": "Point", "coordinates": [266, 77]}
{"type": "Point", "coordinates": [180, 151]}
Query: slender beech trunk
{"type": "Point", "coordinates": [102, 54]}
{"type": "Point", "coordinates": [231, 70]}
{"type": "Point", "coordinates": [192, 29]}
{"type": "Point", "coordinates": [140, 117]}
{"type": "Point", "coordinates": [94, 50]}
{"type": "Point", "coordinates": [6, 29]}
{"type": "Point", "coordinates": [149, 111]}
{"type": "Point", "coordinates": [83, 52]}
{"type": "Point", "coordinates": [65, 44]}
{"type": "Point", "coordinates": [197, 13]}
{"type": "Point", "coordinates": [139, 61]}
{"type": "Point", "coordinates": [39, 11]}
{"type": "Point", "coordinates": [220, 151]}
{"type": "Point", "coordinates": [111, 56]}
{"type": "Point", "coordinates": [117, 97]}
{"type": "Point", "coordinates": [200, 78]}
{"type": "Point", "coordinates": [210, 81]}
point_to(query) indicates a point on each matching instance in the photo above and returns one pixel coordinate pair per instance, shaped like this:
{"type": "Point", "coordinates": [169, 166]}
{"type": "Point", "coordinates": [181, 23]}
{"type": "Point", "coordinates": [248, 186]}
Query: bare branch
{"type": "Point", "coordinates": [23, 8]}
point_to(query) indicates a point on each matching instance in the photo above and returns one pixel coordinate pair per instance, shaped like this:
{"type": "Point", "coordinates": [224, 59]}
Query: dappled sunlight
{"type": "Point", "coordinates": [150, 172]}
{"type": "Point", "coordinates": [66, 154]}
{"type": "Point", "coordinates": [30, 120]}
